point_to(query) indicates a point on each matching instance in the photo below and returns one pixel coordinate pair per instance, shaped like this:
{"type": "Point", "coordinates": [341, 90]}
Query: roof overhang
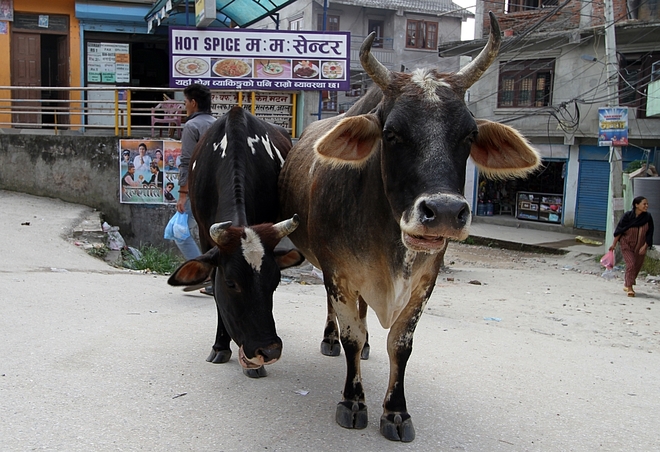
{"type": "Point", "coordinates": [229, 13]}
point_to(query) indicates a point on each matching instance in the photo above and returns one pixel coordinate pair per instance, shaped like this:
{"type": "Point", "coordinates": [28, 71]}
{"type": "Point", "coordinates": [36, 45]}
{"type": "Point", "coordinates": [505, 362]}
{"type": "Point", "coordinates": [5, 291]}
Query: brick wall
{"type": "Point", "coordinates": [567, 18]}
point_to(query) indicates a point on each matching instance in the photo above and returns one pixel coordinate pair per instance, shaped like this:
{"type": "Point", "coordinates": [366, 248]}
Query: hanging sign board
{"type": "Point", "coordinates": [204, 12]}
{"type": "Point", "coordinates": [613, 126]}
{"type": "Point", "coordinates": [240, 59]}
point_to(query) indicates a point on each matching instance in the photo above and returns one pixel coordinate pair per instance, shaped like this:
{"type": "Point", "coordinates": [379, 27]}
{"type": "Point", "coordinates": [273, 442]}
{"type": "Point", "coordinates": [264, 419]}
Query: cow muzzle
{"type": "Point", "coordinates": [434, 219]}
{"type": "Point", "coordinates": [263, 356]}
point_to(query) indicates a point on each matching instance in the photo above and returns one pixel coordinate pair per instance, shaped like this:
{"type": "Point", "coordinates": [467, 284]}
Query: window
{"type": "Point", "coordinates": [636, 71]}
{"type": "Point", "coordinates": [296, 24]}
{"type": "Point", "coordinates": [377, 26]}
{"type": "Point", "coordinates": [329, 101]}
{"type": "Point", "coordinates": [515, 6]}
{"type": "Point", "coordinates": [525, 83]}
{"type": "Point", "coordinates": [331, 23]}
{"type": "Point", "coordinates": [356, 90]}
{"type": "Point", "coordinates": [421, 34]}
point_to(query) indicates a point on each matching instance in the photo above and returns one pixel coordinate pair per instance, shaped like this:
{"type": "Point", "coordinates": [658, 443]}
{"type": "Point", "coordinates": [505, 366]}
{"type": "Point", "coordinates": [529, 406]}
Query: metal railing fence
{"type": "Point", "coordinates": [105, 110]}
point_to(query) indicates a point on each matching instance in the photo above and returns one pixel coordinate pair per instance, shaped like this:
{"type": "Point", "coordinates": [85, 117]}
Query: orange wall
{"type": "Point", "coordinates": [62, 7]}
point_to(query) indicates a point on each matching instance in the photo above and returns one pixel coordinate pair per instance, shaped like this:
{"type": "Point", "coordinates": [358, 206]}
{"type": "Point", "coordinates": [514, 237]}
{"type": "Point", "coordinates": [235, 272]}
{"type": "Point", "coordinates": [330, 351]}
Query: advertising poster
{"type": "Point", "coordinates": [236, 59]}
{"type": "Point", "coordinates": [142, 171]}
{"type": "Point", "coordinates": [172, 152]}
{"type": "Point", "coordinates": [613, 126]}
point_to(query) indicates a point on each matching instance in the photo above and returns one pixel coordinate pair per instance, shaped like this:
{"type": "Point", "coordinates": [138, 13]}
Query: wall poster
{"type": "Point", "coordinates": [108, 62]}
{"type": "Point", "coordinates": [149, 171]}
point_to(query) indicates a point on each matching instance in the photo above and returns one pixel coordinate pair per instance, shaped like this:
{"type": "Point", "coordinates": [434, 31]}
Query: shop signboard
{"type": "Point", "coordinates": [248, 60]}
{"type": "Point", "coordinates": [108, 62]}
{"type": "Point", "coordinates": [613, 126]}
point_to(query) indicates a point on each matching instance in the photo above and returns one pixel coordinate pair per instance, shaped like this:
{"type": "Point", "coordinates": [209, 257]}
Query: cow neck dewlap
{"type": "Point", "coordinates": [425, 79]}
{"type": "Point", "coordinates": [253, 250]}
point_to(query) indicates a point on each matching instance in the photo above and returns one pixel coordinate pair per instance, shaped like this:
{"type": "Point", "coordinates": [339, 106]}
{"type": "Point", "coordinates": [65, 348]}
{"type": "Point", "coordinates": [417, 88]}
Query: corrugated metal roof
{"type": "Point", "coordinates": [435, 7]}
{"type": "Point", "coordinates": [242, 12]}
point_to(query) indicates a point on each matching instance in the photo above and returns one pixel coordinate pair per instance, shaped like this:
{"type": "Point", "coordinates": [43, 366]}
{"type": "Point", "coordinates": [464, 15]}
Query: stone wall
{"type": "Point", "coordinates": [82, 170]}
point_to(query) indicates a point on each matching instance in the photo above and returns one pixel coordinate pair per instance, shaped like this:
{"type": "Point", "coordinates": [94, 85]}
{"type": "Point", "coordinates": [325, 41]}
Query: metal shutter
{"type": "Point", "coordinates": [593, 183]}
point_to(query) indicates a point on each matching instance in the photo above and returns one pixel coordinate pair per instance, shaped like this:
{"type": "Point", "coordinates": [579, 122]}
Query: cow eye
{"type": "Point", "coordinates": [471, 138]}
{"type": "Point", "coordinates": [389, 135]}
{"type": "Point", "coordinates": [231, 285]}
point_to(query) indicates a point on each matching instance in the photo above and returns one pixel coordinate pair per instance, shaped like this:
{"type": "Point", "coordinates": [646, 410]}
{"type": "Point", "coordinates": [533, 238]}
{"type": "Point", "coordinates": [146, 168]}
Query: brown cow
{"type": "Point", "coordinates": [379, 194]}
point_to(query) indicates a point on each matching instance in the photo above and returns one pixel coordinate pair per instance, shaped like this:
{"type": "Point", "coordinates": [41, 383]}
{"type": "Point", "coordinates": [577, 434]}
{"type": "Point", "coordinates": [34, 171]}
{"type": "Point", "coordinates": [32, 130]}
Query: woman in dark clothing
{"type": "Point", "coordinates": [635, 234]}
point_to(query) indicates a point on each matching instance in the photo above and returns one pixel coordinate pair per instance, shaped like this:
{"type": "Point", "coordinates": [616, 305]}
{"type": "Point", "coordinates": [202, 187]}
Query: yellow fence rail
{"type": "Point", "coordinates": [119, 111]}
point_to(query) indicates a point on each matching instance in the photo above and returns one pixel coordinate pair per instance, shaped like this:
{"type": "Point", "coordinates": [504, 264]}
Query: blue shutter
{"type": "Point", "coordinates": [593, 184]}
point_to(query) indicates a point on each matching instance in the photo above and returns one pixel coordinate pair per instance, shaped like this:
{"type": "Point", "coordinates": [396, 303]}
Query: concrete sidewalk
{"type": "Point", "coordinates": [510, 233]}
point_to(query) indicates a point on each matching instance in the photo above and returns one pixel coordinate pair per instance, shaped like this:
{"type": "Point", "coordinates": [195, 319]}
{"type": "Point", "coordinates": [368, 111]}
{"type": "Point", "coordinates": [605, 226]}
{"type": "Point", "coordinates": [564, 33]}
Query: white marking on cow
{"type": "Point", "coordinates": [251, 141]}
{"type": "Point", "coordinates": [253, 250]}
{"type": "Point", "coordinates": [222, 145]}
{"type": "Point", "coordinates": [268, 145]}
{"type": "Point", "coordinates": [425, 80]}
{"type": "Point", "coordinates": [194, 165]}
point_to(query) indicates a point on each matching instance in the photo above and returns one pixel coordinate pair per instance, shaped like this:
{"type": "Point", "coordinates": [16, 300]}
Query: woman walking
{"type": "Point", "coordinates": [635, 234]}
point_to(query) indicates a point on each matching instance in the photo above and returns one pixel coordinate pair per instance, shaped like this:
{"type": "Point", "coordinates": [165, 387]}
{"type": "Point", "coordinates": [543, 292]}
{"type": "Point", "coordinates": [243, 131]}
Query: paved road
{"type": "Point", "coordinates": [94, 358]}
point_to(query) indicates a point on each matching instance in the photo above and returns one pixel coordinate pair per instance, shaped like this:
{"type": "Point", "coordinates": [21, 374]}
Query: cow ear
{"type": "Point", "coordinates": [194, 271]}
{"type": "Point", "coordinates": [288, 258]}
{"type": "Point", "coordinates": [499, 151]}
{"type": "Point", "coordinates": [351, 142]}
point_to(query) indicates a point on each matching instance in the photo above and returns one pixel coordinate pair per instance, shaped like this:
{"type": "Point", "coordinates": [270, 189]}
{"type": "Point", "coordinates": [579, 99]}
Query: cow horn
{"type": "Point", "coordinates": [475, 69]}
{"type": "Point", "coordinates": [218, 231]}
{"type": "Point", "coordinates": [378, 73]}
{"type": "Point", "coordinates": [286, 227]}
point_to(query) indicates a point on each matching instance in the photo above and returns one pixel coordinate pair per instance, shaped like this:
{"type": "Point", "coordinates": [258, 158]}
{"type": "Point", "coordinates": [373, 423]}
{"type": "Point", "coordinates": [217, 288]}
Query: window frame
{"type": "Point", "coordinates": [517, 6]}
{"type": "Point", "coordinates": [635, 69]}
{"type": "Point", "coordinates": [428, 29]}
{"type": "Point", "coordinates": [329, 101]}
{"type": "Point", "coordinates": [535, 75]}
{"type": "Point", "coordinates": [332, 22]}
{"type": "Point", "coordinates": [296, 24]}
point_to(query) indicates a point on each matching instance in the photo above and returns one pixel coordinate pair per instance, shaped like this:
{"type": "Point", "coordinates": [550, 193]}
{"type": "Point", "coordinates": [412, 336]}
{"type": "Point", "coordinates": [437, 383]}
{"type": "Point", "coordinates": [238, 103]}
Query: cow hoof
{"type": "Point", "coordinates": [352, 415]}
{"type": "Point", "coordinates": [365, 352]}
{"type": "Point", "coordinates": [394, 428]}
{"type": "Point", "coordinates": [256, 373]}
{"type": "Point", "coordinates": [330, 348]}
{"type": "Point", "coordinates": [219, 356]}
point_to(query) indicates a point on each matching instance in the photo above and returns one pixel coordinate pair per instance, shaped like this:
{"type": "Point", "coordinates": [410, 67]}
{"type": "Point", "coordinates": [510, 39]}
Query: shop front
{"type": "Point", "coordinates": [540, 197]}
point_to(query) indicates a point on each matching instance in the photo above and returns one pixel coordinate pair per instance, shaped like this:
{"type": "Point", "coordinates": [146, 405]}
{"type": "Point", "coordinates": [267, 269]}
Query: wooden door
{"type": "Point", "coordinates": [63, 77]}
{"type": "Point", "coordinates": [26, 64]}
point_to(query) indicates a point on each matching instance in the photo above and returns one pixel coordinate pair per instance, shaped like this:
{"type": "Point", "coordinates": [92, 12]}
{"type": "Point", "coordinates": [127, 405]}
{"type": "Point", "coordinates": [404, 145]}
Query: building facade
{"type": "Point", "coordinates": [407, 37]}
{"type": "Point", "coordinates": [549, 82]}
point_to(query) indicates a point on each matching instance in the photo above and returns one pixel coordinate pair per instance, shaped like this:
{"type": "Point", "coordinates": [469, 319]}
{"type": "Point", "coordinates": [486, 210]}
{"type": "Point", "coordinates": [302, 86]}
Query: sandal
{"type": "Point", "coordinates": [208, 290]}
{"type": "Point", "coordinates": [631, 293]}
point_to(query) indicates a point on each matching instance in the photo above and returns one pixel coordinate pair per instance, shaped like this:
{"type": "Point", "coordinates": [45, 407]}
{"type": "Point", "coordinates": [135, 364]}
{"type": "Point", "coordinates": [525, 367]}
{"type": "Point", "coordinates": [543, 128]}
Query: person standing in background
{"type": "Point", "coordinates": [635, 234]}
{"type": "Point", "coordinates": [198, 107]}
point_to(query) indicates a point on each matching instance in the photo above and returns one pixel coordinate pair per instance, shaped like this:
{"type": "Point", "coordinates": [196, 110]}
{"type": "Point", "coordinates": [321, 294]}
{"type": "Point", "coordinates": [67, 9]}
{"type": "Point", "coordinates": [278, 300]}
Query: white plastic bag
{"type": "Point", "coordinates": [115, 240]}
{"type": "Point", "coordinates": [177, 228]}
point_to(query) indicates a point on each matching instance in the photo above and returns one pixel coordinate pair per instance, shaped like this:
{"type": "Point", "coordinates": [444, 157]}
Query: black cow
{"type": "Point", "coordinates": [379, 194]}
{"type": "Point", "coordinates": [233, 194]}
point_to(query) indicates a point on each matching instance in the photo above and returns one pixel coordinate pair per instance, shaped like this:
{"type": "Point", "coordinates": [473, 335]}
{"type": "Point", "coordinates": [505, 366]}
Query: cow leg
{"type": "Point", "coordinates": [363, 318]}
{"type": "Point", "coordinates": [395, 423]}
{"type": "Point", "coordinates": [351, 411]}
{"type": "Point", "coordinates": [330, 345]}
{"type": "Point", "coordinates": [220, 353]}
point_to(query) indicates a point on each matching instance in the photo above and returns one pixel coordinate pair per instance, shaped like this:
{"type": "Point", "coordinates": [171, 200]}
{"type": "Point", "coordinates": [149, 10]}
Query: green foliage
{"type": "Point", "coordinates": [651, 266]}
{"type": "Point", "coordinates": [153, 259]}
{"type": "Point", "coordinates": [98, 250]}
{"type": "Point", "coordinates": [634, 166]}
